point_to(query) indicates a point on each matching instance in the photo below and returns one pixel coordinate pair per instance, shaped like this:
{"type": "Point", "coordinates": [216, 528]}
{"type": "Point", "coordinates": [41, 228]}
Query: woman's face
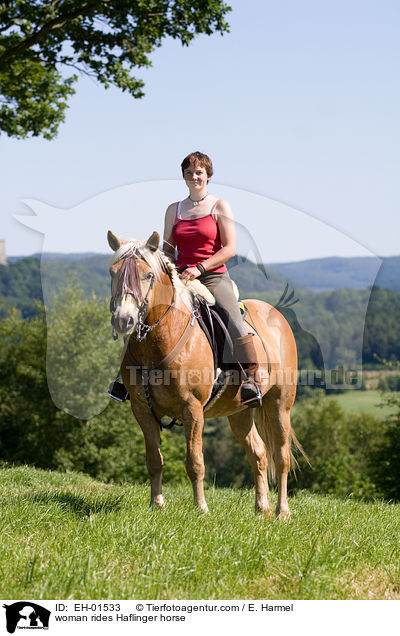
{"type": "Point", "coordinates": [195, 177]}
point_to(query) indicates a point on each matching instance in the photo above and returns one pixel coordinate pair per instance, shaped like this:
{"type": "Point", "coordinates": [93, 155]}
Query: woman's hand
{"type": "Point", "coordinates": [190, 273]}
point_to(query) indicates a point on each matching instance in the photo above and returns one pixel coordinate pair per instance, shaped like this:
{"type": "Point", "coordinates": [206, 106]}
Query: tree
{"type": "Point", "coordinates": [41, 41]}
{"type": "Point", "coordinates": [387, 457]}
{"type": "Point", "coordinates": [108, 446]}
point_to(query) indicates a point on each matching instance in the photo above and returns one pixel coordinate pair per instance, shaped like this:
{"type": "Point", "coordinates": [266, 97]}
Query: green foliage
{"type": "Point", "coordinates": [34, 431]}
{"type": "Point", "coordinates": [381, 334]}
{"type": "Point", "coordinates": [389, 382]}
{"type": "Point", "coordinates": [20, 286]}
{"type": "Point", "coordinates": [103, 40]}
{"type": "Point", "coordinates": [33, 98]}
{"type": "Point", "coordinates": [225, 460]}
{"type": "Point", "coordinates": [329, 322]}
{"type": "Point", "coordinates": [387, 456]}
{"type": "Point", "coordinates": [81, 355]}
{"type": "Point", "coordinates": [350, 453]}
{"type": "Point", "coordinates": [340, 447]}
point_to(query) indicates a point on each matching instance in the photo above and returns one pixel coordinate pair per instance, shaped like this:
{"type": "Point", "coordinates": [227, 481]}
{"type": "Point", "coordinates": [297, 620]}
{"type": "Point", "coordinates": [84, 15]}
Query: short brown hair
{"type": "Point", "coordinates": [198, 157]}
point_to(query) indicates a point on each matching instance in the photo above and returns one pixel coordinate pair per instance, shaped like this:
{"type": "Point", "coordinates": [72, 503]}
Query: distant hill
{"type": "Point", "coordinates": [325, 274]}
{"type": "Point", "coordinates": [322, 274]}
{"type": "Point", "coordinates": [91, 271]}
{"type": "Point", "coordinates": [21, 280]}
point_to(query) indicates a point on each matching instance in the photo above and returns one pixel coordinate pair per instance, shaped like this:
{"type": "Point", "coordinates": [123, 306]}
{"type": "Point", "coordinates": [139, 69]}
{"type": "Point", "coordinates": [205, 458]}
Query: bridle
{"type": "Point", "coordinates": [129, 281]}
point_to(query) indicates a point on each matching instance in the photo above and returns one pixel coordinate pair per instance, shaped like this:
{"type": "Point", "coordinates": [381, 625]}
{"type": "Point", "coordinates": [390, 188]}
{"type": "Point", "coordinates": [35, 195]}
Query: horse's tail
{"type": "Point", "coordinates": [265, 428]}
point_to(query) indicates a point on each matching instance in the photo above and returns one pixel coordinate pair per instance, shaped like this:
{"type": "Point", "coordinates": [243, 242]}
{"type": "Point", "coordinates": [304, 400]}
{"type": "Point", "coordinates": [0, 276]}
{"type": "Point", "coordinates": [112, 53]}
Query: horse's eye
{"type": "Point", "coordinates": [148, 276]}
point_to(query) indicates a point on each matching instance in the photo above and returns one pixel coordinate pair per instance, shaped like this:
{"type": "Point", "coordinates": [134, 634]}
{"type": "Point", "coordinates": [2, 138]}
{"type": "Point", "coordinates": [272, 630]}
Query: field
{"type": "Point", "coordinates": [363, 401]}
{"type": "Point", "coordinates": [358, 401]}
{"type": "Point", "coordinates": [69, 536]}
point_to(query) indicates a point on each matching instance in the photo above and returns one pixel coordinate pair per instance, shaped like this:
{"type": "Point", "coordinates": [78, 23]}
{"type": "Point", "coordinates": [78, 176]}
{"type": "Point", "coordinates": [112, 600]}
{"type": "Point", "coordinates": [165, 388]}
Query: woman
{"type": "Point", "coordinates": [199, 235]}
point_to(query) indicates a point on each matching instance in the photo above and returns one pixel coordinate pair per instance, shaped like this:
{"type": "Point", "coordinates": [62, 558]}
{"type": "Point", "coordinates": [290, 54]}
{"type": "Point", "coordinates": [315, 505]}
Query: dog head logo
{"type": "Point", "coordinates": [26, 615]}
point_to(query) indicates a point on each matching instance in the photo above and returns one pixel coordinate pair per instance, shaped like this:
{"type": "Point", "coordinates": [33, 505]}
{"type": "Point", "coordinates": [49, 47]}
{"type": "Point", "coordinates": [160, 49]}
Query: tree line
{"type": "Point", "coordinates": [333, 322]}
{"type": "Point", "coordinates": [349, 453]}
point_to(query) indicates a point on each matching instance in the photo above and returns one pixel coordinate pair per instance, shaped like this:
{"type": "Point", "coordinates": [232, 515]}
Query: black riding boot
{"type": "Point", "coordinates": [118, 391]}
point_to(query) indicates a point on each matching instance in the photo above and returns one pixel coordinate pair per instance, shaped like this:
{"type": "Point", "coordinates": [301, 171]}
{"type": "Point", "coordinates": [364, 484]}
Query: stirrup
{"type": "Point", "coordinates": [253, 400]}
{"type": "Point", "coordinates": [118, 391]}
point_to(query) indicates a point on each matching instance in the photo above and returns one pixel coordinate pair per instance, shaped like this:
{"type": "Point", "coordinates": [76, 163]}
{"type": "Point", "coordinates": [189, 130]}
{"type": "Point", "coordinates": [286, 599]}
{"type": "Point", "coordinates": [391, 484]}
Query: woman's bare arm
{"type": "Point", "coordinates": [168, 241]}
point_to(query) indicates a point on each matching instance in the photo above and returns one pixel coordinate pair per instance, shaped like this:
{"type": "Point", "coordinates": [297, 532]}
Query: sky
{"type": "Point", "coordinates": [297, 106]}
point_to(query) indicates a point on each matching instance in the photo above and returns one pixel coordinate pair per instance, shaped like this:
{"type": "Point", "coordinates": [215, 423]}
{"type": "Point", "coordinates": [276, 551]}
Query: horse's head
{"type": "Point", "coordinates": [132, 280]}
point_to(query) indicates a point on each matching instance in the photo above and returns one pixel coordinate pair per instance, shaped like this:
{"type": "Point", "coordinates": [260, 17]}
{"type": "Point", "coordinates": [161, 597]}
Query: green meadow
{"type": "Point", "coordinates": [70, 536]}
{"type": "Point", "coordinates": [363, 402]}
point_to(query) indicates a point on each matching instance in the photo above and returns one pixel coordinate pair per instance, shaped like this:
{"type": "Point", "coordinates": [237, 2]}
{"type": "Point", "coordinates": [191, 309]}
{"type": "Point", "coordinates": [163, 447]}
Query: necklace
{"type": "Point", "coordinates": [199, 201]}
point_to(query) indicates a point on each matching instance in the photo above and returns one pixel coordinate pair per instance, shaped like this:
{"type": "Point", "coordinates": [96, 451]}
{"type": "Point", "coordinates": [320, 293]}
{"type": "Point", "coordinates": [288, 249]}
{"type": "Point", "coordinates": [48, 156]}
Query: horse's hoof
{"type": "Point", "coordinates": [157, 503]}
{"type": "Point", "coordinates": [262, 506]}
{"type": "Point", "coordinates": [283, 514]}
{"type": "Point", "coordinates": [203, 508]}
{"type": "Point", "coordinates": [263, 512]}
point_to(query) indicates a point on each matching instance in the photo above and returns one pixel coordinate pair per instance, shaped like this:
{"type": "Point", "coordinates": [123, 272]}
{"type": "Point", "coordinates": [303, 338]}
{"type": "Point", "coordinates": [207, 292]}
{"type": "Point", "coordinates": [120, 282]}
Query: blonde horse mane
{"type": "Point", "coordinates": [159, 262]}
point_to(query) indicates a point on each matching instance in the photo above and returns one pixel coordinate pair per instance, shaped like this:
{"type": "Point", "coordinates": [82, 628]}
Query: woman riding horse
{"type": "Point", "coordinates": [156, 311]}
{"type": "Point", "coordinates": [201, 230]}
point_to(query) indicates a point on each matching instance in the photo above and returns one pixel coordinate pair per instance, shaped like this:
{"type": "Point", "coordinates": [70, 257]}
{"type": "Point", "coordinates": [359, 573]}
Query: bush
{"type": "Point", "coordinates": [389, 382]}
{"type": "Point", "coordinates": [386, 458]}
{"type": "Point", "coordinates": [33, 430]}
{"type": "Point", "coordinates": [340, 447]}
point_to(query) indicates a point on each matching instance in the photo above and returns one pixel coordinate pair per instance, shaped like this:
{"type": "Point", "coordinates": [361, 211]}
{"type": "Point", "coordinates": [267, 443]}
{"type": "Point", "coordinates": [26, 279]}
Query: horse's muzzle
{"type": "Point", "coordinates": [123, 325]}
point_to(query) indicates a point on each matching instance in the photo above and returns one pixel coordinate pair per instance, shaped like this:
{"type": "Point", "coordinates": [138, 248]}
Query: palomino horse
{"type": "Point", "coordinates": [151, 305]}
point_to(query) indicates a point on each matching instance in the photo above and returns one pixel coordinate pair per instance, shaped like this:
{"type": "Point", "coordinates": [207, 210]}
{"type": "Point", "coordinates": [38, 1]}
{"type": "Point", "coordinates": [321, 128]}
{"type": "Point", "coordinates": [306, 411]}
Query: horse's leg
{"type": "Point", "coordinates": [246, 433]}
{"type": "Point", "coordinates": [154, 458]}
{"type": "Point", "coordinates": [193, 422]}
{"type": "Point", "coordinates": [275, 430]}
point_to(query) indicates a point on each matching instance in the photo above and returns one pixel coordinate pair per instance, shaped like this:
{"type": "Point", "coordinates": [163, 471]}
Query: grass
{"type": "Point", "coordinates": [69, 536]}
{"type": "Point", "coordinates": [363, 401]}
{"type": "Point", "coordinates": [357, 401]}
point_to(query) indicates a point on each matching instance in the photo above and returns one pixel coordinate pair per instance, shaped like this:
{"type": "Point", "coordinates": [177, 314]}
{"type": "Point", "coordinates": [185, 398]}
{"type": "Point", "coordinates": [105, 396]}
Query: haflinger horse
{"type": "Point", "coordinates": [156, 312]}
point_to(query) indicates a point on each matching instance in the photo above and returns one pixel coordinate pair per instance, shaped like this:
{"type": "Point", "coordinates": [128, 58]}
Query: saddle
{"type": "Point", "coordinates": [217, 334]}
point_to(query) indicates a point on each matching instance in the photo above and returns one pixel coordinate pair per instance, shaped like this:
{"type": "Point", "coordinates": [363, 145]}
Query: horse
{"type": "Point", "coordinates": [156, 313]}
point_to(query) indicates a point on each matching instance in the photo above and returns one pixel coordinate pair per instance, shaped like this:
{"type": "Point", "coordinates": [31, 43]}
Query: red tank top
{"type": "Point", "coordinates": [196, 239]}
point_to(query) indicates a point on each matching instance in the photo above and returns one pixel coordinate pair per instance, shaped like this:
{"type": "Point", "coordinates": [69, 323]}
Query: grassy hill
{"type": "Point", "coordinates": [69, 536]}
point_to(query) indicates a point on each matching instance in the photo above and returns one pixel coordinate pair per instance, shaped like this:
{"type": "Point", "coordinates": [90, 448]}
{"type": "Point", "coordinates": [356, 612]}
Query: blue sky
{"type": "Point", "coordinates": [298, 104]}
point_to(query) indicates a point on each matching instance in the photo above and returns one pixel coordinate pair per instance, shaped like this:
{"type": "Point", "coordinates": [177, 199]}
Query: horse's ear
{"type": "Point", "coordinates": [153, 242]}
{"type": "Point", "coordinates": [113, 241]}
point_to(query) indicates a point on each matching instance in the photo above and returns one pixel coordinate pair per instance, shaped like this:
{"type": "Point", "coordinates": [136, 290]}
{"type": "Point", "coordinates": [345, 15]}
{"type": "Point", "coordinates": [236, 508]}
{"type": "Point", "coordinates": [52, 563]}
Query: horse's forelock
{"type": "Point", "coordinates": [127, 248]}
{"type": "Point", "coordinates": [157, 261]}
